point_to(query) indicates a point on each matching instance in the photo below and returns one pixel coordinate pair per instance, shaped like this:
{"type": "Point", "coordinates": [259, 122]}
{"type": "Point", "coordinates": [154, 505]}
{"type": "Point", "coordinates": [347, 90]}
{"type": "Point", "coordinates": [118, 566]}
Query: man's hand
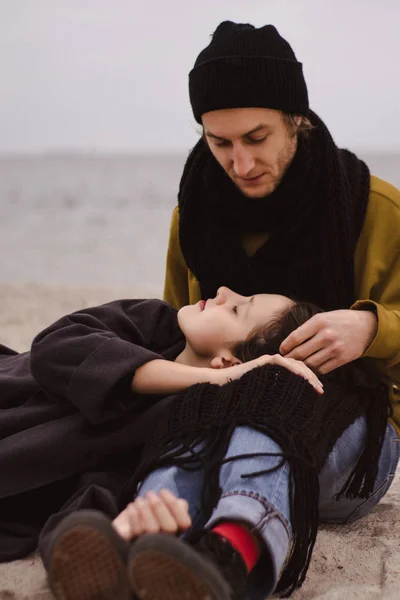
{"type": "Point", "coordinates": [331, 339]}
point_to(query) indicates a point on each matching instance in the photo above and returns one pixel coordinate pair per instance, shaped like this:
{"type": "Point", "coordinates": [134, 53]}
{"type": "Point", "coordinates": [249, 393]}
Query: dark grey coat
{"type": "Point", "coordinates": [69, 422]}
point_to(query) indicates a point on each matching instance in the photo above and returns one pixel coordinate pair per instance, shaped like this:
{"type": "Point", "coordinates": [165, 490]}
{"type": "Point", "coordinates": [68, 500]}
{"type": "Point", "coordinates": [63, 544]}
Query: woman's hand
{"type": "Point", "coordinates": [295, 366]}
{"type": "Point", "coordinates": [153, 513]}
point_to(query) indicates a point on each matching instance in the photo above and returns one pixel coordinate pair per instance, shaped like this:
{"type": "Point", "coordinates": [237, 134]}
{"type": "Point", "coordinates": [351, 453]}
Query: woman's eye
{"type": "Point", "coordinates": [235, 310]}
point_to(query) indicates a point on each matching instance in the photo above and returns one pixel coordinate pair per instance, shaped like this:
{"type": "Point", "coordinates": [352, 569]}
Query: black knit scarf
{"type": "Point", "coordinates": [313, 219]}
{"type": "Point", "coordinates": [304, 424]}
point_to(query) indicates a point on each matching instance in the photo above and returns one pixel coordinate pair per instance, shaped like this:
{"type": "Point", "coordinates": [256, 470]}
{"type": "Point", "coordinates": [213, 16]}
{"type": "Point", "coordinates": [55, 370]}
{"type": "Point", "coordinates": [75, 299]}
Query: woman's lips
{"type": "Point", "coordinates": [202, 304]}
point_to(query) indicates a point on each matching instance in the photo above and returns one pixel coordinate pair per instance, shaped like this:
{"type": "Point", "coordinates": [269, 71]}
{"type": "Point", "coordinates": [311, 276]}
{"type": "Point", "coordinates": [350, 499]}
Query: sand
{"type": "Point", "coordinates": [353, 562]}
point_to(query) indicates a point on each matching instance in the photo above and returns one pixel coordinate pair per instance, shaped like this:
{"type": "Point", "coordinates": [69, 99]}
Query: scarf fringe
{"type": "Point", "coordinates": [200, 422]}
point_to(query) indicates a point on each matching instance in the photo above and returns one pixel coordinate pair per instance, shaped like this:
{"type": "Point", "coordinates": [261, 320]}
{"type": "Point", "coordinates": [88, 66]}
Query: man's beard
{"type": "Point", "coordinates": [283, 163]}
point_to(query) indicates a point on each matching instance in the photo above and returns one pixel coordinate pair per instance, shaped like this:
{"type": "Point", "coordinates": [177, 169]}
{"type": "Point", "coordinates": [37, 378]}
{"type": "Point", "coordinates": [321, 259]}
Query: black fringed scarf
{"type": "Point", "coordinates": [313, 219]}
{"type": "Point", "coordinates": [303, 423]}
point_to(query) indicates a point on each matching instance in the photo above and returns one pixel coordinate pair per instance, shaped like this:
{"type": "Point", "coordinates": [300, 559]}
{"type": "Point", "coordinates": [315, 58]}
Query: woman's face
{"type": "Point", "coordinates": [218, 323]}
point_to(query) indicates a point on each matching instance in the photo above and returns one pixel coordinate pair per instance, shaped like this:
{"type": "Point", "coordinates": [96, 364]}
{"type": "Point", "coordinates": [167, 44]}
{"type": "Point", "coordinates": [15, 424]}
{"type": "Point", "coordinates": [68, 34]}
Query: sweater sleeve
{"type": "Point", "coordinates": [386, 344]}
{"type": "Point", "coordinates": [88, 358]}
{"type": "Point", "coordinates": [176, 287]}
{"type": "Point", "coordinates": [379, 291]}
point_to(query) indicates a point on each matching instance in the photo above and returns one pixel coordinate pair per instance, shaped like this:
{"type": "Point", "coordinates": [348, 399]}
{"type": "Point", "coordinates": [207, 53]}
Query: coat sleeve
{"type": "Point", "coordinates": [176, 287]}
{"type": "Point", "coordinates": [88, 358]}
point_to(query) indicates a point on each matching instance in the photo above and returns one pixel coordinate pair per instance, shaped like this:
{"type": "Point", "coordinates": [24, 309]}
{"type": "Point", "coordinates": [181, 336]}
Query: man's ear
{"type": "Point", "coordinates": [224, 359]}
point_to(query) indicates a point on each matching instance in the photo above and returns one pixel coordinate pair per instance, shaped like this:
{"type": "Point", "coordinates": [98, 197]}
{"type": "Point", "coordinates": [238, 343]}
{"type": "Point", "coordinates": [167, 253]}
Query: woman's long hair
{"type": "Point", "coordinates": [267, 340]}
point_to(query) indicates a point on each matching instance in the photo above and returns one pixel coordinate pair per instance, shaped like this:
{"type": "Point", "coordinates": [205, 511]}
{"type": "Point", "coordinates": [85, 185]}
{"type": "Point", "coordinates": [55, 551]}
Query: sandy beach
{"type": "Point", "coordinates": [358, 561]}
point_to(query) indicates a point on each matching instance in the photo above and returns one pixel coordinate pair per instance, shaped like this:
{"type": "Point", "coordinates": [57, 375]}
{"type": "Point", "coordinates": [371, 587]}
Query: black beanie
{"type": "Point", "coordinates": [247, 67]}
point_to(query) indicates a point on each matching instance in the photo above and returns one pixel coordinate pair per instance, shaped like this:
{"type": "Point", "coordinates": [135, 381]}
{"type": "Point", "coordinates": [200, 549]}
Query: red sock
{"type": "Point", "coordinates": [242, 540]}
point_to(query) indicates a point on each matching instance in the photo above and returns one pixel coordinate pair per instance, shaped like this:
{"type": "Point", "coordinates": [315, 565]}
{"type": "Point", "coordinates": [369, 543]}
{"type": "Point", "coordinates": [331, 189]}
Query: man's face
{"type": "Point", "coordinates": [253, 145]}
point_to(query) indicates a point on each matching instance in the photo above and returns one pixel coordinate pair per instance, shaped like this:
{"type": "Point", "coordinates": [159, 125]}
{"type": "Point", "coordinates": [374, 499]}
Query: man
{"type": "Point", "coordinates": [305, 219]}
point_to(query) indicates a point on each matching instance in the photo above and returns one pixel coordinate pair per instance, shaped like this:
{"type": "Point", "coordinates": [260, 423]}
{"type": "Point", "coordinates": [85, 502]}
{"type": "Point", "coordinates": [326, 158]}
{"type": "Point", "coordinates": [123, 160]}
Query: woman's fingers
{"type": "Point", "coordinates": [162, 513]}
{"type": "Point", "coordinates": [299, 368]}
{"type": "Point", "coordinates": [128, 523]}
{"type": "Point", "coordinates": [310, 376]}
{"type": "Point", "coordinates": [178, 507]}
{"type": "Point", "coordinates": [148, 519]}
{"type": "Point", "coordinates": [153, 513]}
{"type": "Point", "coordinates": [292, 364]}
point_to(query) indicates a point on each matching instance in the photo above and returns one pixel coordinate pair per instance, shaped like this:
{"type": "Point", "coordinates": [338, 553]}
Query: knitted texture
{"type": "Point", "coordinates": [244, 66]}
{"type": "Point", "coordinates": [313, 218]}
{"type": "Point", "coordinates": [196, 431]}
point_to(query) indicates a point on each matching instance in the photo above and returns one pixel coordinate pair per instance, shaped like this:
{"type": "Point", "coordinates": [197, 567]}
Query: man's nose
{"type": "Point", "coordinates": [243, 161]}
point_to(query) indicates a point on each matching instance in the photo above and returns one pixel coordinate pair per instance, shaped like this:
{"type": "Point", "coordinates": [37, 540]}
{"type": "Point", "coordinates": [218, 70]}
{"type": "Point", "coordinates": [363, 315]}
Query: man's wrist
{"type": "Point", "coordinates": [370, 320]}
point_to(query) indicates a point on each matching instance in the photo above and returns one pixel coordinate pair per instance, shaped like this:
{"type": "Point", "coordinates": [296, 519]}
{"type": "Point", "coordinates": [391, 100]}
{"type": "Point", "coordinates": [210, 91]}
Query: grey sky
{"type": "Point", "coordinates": [110, 75]}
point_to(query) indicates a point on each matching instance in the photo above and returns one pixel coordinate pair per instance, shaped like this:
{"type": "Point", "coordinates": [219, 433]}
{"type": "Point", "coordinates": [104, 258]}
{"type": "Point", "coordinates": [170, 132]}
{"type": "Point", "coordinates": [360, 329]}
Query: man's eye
{"type": "Point", "coordinates": [235, 310]}
{"type": "Point", "coordinates": [257, 140]}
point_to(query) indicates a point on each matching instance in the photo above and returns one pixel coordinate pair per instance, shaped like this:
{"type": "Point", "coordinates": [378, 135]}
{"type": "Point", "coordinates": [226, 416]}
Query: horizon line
{"type": "Point", "coordinates": [80, 153]}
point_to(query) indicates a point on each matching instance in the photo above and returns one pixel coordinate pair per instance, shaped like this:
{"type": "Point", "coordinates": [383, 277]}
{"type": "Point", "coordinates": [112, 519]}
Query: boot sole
{"type": "Point", "coordinates": [162, 567]}
{"type": "Point", "coordinates": [88, 560]}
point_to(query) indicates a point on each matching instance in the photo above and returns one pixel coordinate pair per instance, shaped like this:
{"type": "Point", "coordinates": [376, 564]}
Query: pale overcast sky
{"type": "Point", "coordinates": [111, 75]}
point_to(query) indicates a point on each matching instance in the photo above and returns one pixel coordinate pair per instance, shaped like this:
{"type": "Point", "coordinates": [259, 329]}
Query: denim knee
{"type": "Point", "coordinates": [349, 510]}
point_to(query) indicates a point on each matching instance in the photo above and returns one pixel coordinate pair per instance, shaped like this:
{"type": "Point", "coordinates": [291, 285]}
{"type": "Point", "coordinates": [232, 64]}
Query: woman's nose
{"type": "Point", "coordinates": [225, 294]}
{"type": "Point", "coordinates": [221, 296]}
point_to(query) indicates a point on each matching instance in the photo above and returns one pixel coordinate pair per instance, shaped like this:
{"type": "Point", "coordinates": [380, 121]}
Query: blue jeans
{"type": "Point", "coordinates": [262, 502]}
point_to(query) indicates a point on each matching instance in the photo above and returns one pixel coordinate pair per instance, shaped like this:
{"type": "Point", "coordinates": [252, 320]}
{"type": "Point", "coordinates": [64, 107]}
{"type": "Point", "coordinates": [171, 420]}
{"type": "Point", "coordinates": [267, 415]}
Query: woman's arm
{"type": "Point", "coordinates": [162, 377]}
{"type": "Point", "coordinates": [88, 359]}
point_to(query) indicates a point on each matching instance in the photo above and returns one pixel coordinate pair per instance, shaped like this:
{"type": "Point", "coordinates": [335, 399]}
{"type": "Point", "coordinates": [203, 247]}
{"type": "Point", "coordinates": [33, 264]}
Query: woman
{"type": "Point", "coordinates": [253, 483]}
{"type": "Point", "coordinates": [71, 408]}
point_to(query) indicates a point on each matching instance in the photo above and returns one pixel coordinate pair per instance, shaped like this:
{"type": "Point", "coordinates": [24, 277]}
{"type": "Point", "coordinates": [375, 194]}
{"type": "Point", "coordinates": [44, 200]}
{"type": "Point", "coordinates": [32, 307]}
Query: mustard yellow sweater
{"type": "Point", "coordinates": [377, 278]}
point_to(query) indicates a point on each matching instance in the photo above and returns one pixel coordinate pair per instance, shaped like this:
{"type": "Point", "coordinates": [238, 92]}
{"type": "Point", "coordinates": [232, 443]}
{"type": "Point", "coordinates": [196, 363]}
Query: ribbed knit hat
{"type": "Point", "coordinates": [247, 67]}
